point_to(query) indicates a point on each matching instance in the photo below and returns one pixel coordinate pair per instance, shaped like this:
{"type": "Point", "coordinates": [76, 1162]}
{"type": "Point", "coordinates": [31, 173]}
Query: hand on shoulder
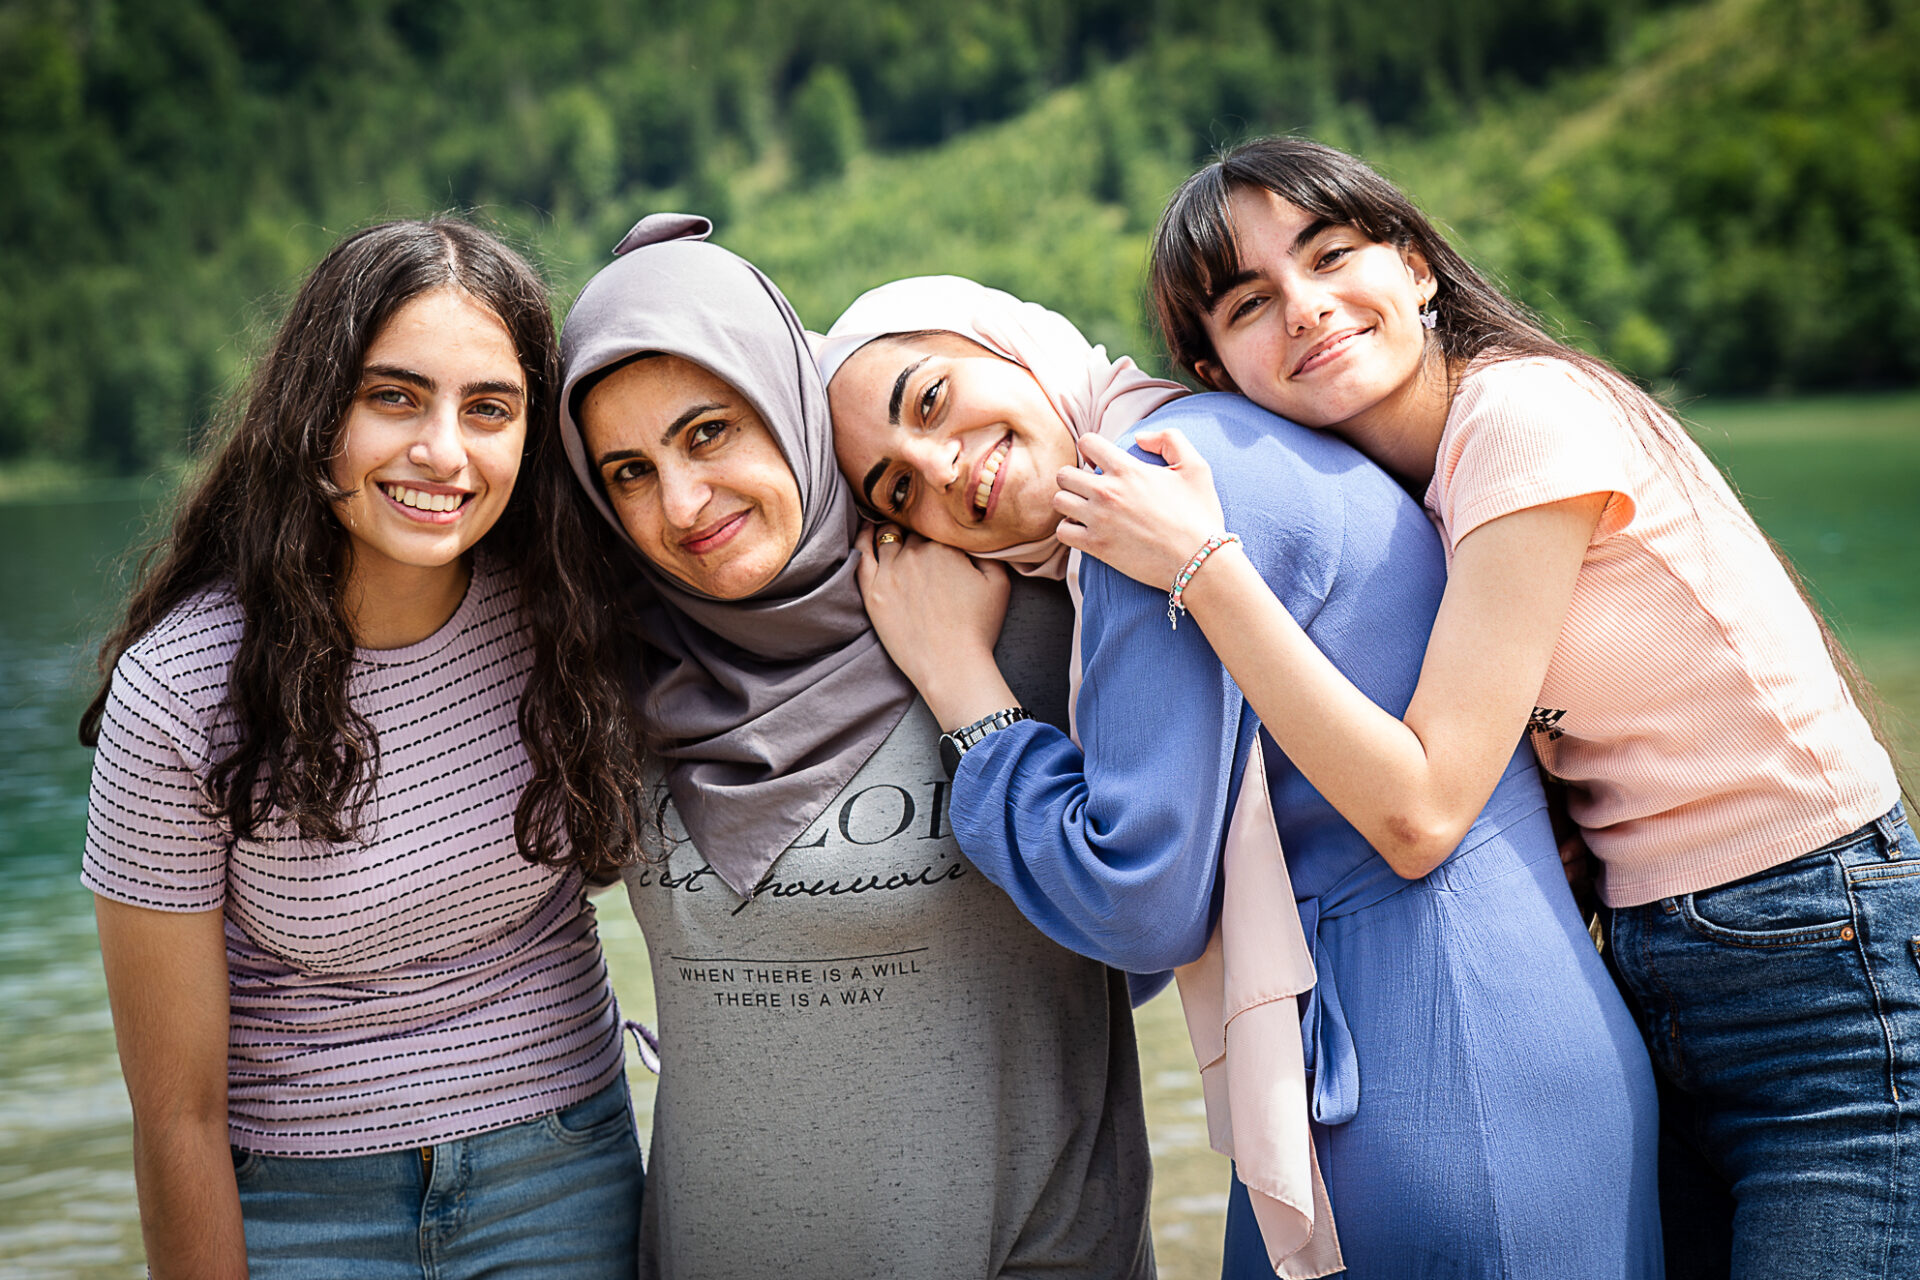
{"type": "Point", "coordinates": [1143, 520]}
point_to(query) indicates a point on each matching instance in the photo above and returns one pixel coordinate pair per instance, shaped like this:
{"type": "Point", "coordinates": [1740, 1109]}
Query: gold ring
{"type": "Point", "coordinates": [883, 539]}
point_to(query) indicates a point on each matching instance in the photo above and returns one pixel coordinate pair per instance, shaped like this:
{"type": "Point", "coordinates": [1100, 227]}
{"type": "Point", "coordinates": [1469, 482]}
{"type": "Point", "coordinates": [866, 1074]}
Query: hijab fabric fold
{"type": "Point", "coordinates": [769, 705]}
{"type": "Point", "coordinates": [1241, 997]}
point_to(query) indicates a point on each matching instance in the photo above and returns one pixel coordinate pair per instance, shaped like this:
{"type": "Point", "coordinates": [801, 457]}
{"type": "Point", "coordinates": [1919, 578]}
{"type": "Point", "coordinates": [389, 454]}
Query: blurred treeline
{"type": "Point", "coordinates": [1723, 194]}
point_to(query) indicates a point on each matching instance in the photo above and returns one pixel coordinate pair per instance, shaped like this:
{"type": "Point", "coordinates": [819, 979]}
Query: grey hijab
{"type": "Point", "coordinates": [768, 705]}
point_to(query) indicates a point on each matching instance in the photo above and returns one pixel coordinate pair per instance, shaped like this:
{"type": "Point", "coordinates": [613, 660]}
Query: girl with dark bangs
{"type": "Point", "coordinates": [360, 747]}
{"type": "Point", "coordinates": [1608, 597]}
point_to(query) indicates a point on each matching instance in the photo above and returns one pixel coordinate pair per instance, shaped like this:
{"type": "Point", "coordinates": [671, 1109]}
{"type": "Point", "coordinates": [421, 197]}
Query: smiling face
{"type": "Point", "coordinates": [1322, 325]}
{"type": "Point", "coordinates": [937, 433]}
{"type": "Point", "coordinates": [697, 479]}
{"type": "Point", "coordinates": [431, 444]}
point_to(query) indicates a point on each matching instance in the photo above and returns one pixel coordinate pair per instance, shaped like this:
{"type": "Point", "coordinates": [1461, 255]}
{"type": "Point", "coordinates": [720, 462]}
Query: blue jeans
{"type": "Point", "coordinates": [554, 1196]}
{"type": "Point", "coordinates": [1782, 1013]}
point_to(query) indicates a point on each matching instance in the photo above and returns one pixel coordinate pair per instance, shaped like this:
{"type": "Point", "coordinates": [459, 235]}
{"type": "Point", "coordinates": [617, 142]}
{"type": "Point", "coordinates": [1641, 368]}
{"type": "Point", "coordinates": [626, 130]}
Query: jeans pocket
{"type": "Point", "coordinates": [1797, 903]}
{"type": "Point", "coordinates": [592, 1119]}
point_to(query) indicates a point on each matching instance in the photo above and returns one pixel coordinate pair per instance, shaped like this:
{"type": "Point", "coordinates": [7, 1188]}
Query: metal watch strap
{"type": "Point", "coordinates": [964, 739]}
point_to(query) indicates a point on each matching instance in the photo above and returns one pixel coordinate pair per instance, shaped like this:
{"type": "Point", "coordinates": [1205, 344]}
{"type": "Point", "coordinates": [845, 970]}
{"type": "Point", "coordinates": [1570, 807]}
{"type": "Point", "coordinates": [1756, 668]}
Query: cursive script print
{"type": "Point", "coordinates": [872, 815]}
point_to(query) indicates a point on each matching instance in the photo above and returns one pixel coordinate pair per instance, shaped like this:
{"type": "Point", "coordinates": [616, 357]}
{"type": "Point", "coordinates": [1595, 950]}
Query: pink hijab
{"type": "Point", "coordinates": [1241, 996]}
{"type": "Point", "coordinates": [1087, 390]}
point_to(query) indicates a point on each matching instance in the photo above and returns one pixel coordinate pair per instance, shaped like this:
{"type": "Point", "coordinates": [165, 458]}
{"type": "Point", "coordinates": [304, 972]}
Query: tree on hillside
{"type": "Point", "coordinates": [1741, 212]}
{"type": "Point", "coordinates": [823, 125]}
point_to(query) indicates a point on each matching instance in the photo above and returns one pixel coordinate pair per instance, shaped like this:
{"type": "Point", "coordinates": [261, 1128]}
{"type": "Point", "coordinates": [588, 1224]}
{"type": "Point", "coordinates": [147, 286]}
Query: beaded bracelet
{"type": "Point", "coordinates": [1175, 604]}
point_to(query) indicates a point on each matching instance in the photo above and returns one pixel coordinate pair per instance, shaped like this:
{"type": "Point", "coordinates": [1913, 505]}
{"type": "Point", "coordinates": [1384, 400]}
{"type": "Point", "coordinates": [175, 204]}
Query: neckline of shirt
{"type": "Point", "coordinates": [448, 631]}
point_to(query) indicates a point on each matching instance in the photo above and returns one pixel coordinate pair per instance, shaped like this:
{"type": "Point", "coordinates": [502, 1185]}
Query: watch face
{"type": "Point", "coordinates": [949, 754]}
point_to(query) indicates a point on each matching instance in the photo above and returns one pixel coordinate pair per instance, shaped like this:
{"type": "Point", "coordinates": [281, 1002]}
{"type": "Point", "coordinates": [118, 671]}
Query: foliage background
{"type": "Point", "coordinates": [1721, 195]}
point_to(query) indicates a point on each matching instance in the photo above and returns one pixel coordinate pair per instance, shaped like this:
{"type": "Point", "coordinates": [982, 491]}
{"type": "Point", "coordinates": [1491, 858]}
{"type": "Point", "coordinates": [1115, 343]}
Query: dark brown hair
{"type": "Point", "coordinates": [1194, 247]}
{"type": "Point", "coordinates": [260, 524]}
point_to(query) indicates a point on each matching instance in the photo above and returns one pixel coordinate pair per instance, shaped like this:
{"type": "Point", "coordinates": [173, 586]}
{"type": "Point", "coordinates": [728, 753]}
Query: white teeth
{"type": "Point", "coordinates": [421, 501]}
{"type": "Point", "coordinates": [988, 470]}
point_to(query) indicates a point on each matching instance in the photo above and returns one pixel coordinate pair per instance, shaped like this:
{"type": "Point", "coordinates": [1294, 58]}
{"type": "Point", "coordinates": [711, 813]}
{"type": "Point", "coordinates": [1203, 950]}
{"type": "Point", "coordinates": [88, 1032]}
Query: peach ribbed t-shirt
{"type": "Point", "coordinates": [1690, 704]}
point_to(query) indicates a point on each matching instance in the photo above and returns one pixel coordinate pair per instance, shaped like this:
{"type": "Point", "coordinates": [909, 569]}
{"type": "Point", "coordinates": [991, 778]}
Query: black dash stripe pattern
{"type": "Point", "coordinates": [420, 984]}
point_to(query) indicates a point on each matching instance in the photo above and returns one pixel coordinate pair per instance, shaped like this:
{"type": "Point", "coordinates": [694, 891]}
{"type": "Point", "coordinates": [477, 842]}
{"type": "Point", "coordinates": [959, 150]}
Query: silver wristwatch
{"type": "Point", "coordinates": [962, 740]}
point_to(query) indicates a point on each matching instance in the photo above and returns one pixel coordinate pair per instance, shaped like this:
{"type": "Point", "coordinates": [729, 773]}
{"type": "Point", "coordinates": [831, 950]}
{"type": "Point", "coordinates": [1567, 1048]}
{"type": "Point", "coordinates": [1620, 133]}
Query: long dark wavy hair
{"type": "Point", "coordinates": [260, 524]}
{"type": "Point", "coordinates": [1194, 246]}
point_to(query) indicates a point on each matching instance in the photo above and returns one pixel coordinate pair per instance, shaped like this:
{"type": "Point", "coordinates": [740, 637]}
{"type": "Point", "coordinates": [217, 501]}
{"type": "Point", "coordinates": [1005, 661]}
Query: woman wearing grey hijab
{"type": "Point", "coordinates": [872, 1065]}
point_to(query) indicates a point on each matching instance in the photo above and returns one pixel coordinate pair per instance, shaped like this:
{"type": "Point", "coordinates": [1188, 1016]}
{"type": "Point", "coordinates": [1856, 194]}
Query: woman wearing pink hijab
{"type": "Point", "coordinates": [1506, 1122]}
{"type": "Point", "coordinates": [948, 402]}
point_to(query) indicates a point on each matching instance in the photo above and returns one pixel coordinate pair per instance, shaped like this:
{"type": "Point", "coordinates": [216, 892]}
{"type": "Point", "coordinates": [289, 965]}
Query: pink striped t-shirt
{"type": "Point", "coordinates": [1690, 704]}
{"type": "Point", "coordinates": [421, 985]}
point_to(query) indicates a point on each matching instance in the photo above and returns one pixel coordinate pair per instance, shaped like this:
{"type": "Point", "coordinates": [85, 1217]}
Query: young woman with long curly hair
{"type": "Point", "coordinates": [360, 747]}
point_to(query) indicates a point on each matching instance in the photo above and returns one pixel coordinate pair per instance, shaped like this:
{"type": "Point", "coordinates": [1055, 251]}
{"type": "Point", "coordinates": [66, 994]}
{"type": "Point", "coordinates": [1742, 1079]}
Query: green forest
{"type": "Point", "coordinates": [1720, 195]}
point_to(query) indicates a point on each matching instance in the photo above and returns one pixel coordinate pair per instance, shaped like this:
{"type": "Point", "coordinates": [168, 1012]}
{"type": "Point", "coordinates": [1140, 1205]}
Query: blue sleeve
{"type": "Point", "coordinates": [1114, 854]}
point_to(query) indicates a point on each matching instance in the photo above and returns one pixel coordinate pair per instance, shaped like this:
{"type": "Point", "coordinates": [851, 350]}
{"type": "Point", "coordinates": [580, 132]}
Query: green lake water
{"type": "Point", "coordinates": [1837, 481]}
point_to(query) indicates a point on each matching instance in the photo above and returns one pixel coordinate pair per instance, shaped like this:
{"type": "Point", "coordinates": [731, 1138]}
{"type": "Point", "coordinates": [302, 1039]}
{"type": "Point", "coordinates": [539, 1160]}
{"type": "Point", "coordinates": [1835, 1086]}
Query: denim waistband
{"type": "Point", "coordinates": [1886, 826]}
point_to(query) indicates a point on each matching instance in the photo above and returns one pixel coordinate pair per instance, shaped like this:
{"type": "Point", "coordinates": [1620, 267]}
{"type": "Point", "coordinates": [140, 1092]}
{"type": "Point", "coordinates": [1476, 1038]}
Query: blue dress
{"type": "Point", "coordinates": [1482, 1102]}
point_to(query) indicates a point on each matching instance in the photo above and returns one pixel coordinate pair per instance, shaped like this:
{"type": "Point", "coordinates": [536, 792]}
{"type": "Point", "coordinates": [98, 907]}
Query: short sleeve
{"type": "Point", "coordinates": [150, 841]}
{"type": "Point", "coordinates": [1526, 433]}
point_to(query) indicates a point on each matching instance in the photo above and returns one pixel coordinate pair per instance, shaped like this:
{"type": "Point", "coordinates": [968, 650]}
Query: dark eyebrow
{"type": "Point", "coordinates": [1238, 278]}
{"type": "Point", "coordinates": [425, 383]}
{"type": "Point", "coordinates": [674, 428]}
{"type": "Point", "coordinates": [1308, 232]}
{"type": "Point", "coordinates": [679, 424]}
{"type": "Point", "coordinates": [873, 476]}
{"type": "Point", "coordinates": [900, 389]}
{"type": "Point", "coordinates": [399, 374]}
{"type": "Point", "coordinates": [615, 455]}
{"type": "Point", "coordinates": [1215, 292]}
